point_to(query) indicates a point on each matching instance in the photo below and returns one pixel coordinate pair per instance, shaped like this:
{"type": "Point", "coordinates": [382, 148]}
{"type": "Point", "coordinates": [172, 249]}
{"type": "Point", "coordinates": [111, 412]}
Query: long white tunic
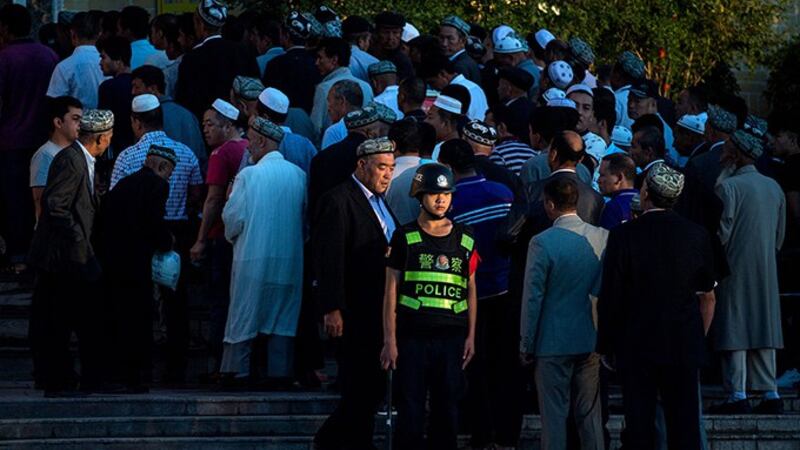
{"type": "Point", "coordinates": [264, 219]}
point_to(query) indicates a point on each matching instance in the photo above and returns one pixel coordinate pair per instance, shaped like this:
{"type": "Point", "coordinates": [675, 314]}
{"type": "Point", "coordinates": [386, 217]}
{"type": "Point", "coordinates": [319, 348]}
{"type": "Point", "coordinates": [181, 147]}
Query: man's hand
{"type": "Point", "coordinates": [334, 325]}
{"type": "Point", "coordinates": [469, 351]}
{"type": "Point", "coordinates": [389, 356]}
{"type": "Point", "coordinates": [198, 251]}
{"type": "Point", "coordinates": [525, 359]}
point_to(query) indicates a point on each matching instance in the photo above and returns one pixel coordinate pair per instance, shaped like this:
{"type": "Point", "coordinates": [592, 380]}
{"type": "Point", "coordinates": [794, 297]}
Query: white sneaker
{"type": "Point", "coordinates": [789, 379]}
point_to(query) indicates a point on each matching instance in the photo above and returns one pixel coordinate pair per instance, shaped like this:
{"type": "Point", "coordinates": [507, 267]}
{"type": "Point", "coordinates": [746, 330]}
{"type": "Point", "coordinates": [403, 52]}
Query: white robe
{"type": "Point", "coordinates": [264, 219]}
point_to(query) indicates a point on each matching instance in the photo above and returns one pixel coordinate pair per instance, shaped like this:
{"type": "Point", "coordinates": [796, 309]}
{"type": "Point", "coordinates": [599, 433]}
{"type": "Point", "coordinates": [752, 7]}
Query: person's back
{"type": "Point", "coordinates": [751, 191]}
{"type": "Point", "coordinates": [182, 126]}
{"type": "Point", "coordinates": [332, 166]}
{"type": "Point", "coordinates": [298, 150]}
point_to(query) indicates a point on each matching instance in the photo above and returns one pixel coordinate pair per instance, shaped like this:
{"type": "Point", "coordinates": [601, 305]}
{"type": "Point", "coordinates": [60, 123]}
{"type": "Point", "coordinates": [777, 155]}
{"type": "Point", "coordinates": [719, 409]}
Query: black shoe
{"type": "Point", "coordinates": [772, 406]}
{"type": "Point", "coordinates": [134, 389]}
{"type": "Point", "coordinates": [64, 394]}
{"type": "Point", "coordinates": [737, 407]}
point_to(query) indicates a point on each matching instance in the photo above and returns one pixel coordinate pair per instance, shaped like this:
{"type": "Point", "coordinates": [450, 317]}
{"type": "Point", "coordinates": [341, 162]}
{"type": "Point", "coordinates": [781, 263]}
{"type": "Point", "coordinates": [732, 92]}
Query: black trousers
{"type": "Point", "coordinates": [16, 203]}
{"type": "Point", "coordinates": [221, 259]}
{"type": "Point", "coordinates": [363, 386]}
{"type": "Point", "coordinates": [494, 377]}
{"type": "Point", "coordinates": [429, 364]}
{"type": "Point", "coordinates": [176, 304]}
{"type": "Point", "coordinates": [64, 303]}
{"type": "Point", "coordinates": [642, 385]}
{"type": "Point", "coordinates": [133, 329]}
{"type": "Point", "coordinates": [308, 350]}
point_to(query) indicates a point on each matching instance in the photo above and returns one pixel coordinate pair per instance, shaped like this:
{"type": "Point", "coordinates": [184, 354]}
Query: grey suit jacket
{"type": "Point", "coordinates": [563, 271]}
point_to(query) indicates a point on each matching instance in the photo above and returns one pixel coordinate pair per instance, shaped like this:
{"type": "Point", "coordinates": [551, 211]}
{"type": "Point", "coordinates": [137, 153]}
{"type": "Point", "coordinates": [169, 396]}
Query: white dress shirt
{"type": "Point", "coordinates": [477, 104]}
{"type": "Point", "coordinates": [78, 76]}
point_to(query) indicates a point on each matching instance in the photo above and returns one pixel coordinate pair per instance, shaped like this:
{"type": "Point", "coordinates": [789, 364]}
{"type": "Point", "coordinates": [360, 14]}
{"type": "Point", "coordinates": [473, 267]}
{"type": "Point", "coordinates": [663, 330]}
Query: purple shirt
{"type": "Point", "coordinates": [25, 70]}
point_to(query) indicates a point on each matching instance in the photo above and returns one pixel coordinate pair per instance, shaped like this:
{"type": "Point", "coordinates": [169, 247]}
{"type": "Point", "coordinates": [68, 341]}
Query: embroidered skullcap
{"type": "Point", "coordinates": [163, 152]}
{"type": "Point", "coordinates": [213, 12]}
{"type": "Point", "coordinates": [580, 88]}
{"type": "Point", "coordinates": [355, 25]}
{"type": "Point", "coordinates": [693, 123]}
{"type": "Point", "coordinates": [316, 28]}
{"type": "Point", "coordinates": [756, 125]}
{"type": "Point", "coordinates": [516, 76]}
{"type": "Point", "coordinates": [543, 37]}
{"type": "Point", "coordinates": [266, 128]}
{"type": "Point", "coordinates": [409, 33]}
{"type": "Point", "coordinates": [385, 114]}
{"type": "Point", "coordinates": [621, 136]}
{"type": "Point", "coordinates": [361, 117]}
{"type": "Point", "coordinates": [562, 103]}
{"type": "Point", "coordinates": [581, 51]}
{"type": "Point", "coordinates": [274, 100]}
{"type": "Point", "coordinates": [665, 181]}
{"type": "Point", "coordinates": [560, 74]}
{"type": "Point", "coordinates": [510, 44]}
{"type": "Point", "coordinates": [748, 143]}
{"type": "Point", "coordinates": [381, 68]}
{"type": "Point", "coordinates": [721, 119]}
{"type": "Point", "coordinates": [458, 23]}
{"type": "Point", "coordinates": [500, 33]}
{"type": "Point", "coordinates": [329, 20]}
{"type": "Point", "coordinates": [636, 203]}
{"type": "Point", "coordinates": [448, 104]}
{"type": "Point", "coordinates": [145, 102]}
{"type": "Point", "coordinates": [390, 19]}
{"type": "Point", "coordinates": [375, 147]}
{"type": "Point", "coordinates": [631, 64]}
{"type": "Point", "coordinates": [247, 87]}
{"type": "Point", "coordinates": [595, 146]}
{"type": "Point", "coordinates": [97, 120]}
{"type": "Point", "coordinates": [298, 25]}
{"type": "Point", "coordinates": [644, 89]}
{"type": "Point", "coordinates": [226, 109]}
{"type": "Point", "coordinates": [480, 132]}
{"type": "Point", "coordinates": [553, 93]}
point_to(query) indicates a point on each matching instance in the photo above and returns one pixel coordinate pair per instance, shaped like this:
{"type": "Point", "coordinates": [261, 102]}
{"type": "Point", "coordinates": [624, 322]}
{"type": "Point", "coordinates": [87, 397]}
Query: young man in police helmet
{"type": "Point", "coordinates": [429, 313]}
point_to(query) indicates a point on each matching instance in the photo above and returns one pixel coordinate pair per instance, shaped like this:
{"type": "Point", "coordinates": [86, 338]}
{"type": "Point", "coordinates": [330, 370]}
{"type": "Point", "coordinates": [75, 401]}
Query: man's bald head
{"type": "Point", "coordinates": [567, 150]}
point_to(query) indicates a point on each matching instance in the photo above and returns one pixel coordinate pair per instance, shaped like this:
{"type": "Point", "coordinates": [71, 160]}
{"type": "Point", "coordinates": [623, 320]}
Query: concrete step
{"type": "Point", "coordinates": [185, 443]}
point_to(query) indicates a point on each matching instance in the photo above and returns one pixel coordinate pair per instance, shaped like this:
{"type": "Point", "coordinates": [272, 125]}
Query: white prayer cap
{"type": "Point", "coordinates": [226, 109]}
{"type": "Point", "coordinates": [695, 124]}
{"type": "Point", "coordinates": [448, 104]}
{"type": "Point", "coordinates": [409, 32]}
{"type": "Point", "coordinates": [562, 103]}
{"type": "Point", "coordinates": [274, 100]}
{"type": "Point", "coordinates": [560, 74]}
{"type": "Point", "coordinates": [580, 88]}
{"type": "Point", "coordinates": [145, 102]}
{"type": "Point", "coordinates": [553, 93]}
{"type": "Point", "coordinates": [543, 37]}
{"type": "Point", "coordinates": [501, 32]}
{"type": "Point", "coordinates": [509, 44]}
{"type": "Point", "coordinates": [595, 146]}
{"type": "Point", "coordinates": [621, 136]}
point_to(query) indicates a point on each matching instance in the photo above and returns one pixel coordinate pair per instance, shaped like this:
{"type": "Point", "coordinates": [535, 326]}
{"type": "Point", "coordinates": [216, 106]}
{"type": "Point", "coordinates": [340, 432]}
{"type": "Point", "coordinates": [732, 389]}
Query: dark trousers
{"type": "Point", "coordinates": [363, 385]}
{"type": "Point", "coordinates": [494, 376]}
{"type": "Point", "coordinates": [176, 305]}
{"type": "Point", "coordinates": [16, 203]}
{"type": "Point", "coordinates": [642, 385]}
{"type": "Point", "coordinates": [63, 303]}
{"type": "Point", "coordinates": [429, 363]}
{"type": "Point", "coordinates": [221, 253]}
{"type": "Point", "coordinates": [133, 329]}
{"type": "Point", "coordinates": [309, 355]}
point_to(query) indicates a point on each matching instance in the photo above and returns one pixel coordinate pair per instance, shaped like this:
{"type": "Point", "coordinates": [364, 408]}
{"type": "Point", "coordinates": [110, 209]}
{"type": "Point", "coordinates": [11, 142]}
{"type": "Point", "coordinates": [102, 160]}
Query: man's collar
{"type": "Point", "coordinates": [336, 72]}
{"type": "Point", "coordinates": [564, 170]}
{"type": "Point", "coordinates": [213, 36]}
{"type": "Point", "coordinates": [629, 191]}
{"type": "Point", "coordinates": [456, 54]}
{"type": "Point", "coordinates": [364, 189]}
{"type": "Point", "coordinates": [568, 217]}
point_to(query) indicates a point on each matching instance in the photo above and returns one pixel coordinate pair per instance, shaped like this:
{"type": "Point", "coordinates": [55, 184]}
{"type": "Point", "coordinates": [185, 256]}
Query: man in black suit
{"type": "Point", "coordinates": [207, 71]}
{"type": "Point", "coordinates": [65, 262]}
{"type": "Point", "coordinates": [131, 227]}
{"type": "Point", "coordinates": [655, 305]}
{"type": "Point", "coordinates": [294, 72]}
{"type": "Point", "coordinates": [350, 250]}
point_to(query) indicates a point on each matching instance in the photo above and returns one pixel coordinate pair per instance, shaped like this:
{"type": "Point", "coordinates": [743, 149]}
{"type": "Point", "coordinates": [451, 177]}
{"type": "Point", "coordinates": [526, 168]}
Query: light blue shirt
{"type": "Point", "coordinates": [381, 210]}
{"type": "Point", "coordinates": [477, 104]}
{"type": "Point", "coordinates": [78, 76]}
{"type": "Point", "coordinates": [262, 60]}
{"type": "Point", "coordinates": [143, 52]}
{"type": "Point", "coordinates": [669, 142]}
{"type": "Point", "coordinates": [335, 133]}
{"type": "Point", "coordinates": [171, 75]}
{"type": "Point", "coordinates": [319, 112]}
{"type": "Point", "coordinates": [360, 62]}
{"type": "Point", "coordinates": [182, 126]}
{"type": "Point", "coordinates": [621, 96]}
{"type": "Point", "coordinates": [389, 98]}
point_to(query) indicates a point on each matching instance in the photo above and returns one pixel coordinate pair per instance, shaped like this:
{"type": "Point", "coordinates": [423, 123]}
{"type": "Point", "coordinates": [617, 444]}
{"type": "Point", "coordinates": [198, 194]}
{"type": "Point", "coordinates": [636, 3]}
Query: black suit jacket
{"type": "Point", "coordinates": [350, 260]}
{"type": "Point", "coordinates": [131, 226]}
{"type": "Point", "coordinates": [295, 74]}
{"type": "Point", "coordinates": [464, 64]}
{"type": "Point", "coordinates": [207, 72]}
{"type": "Point", "coordinates": [62, 240]}
{"type": "Point", "coordinates": [648, 311]}
{"type": "Point", "coordinates": [331, 167]}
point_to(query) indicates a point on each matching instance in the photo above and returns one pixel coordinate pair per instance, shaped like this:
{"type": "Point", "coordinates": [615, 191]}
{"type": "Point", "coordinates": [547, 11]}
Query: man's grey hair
{"type": "Point", "coordinates": [350, 91]}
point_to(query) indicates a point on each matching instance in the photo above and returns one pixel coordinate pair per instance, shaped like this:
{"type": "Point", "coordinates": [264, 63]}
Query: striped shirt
{"type": "Point", "coordinates": [186, 173]}
{"type": "Point", "coordinates": [512, 154]}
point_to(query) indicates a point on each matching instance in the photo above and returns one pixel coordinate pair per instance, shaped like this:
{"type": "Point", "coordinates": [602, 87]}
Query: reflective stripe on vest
{"type": "Point", "coordinates": [430, 302]}
{"type": "Point", "coordinates": [467, 242]}
{"type": "Point", "coordinates": [435, 277]}
{"type": "Point", "coordinates": [413, 237]}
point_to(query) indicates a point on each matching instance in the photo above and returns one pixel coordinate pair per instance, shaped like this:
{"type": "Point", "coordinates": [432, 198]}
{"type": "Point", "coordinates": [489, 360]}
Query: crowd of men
{"type": "Point", "coordinates": [478, 210]}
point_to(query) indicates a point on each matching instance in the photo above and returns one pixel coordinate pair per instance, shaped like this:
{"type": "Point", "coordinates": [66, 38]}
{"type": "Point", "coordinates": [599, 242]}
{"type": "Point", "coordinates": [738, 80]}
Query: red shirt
{"type": "Point", "coordinates": [223, 164]}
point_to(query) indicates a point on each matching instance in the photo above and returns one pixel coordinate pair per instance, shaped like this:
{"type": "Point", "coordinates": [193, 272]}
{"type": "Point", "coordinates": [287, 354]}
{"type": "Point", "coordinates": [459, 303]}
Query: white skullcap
{"type": "Point", "coordinates": [226, 109]}
{"type": "Point", "coordinates": [595, 145]}
{"type": "Point", "coordinates": [553, 93]}
{"type": "Point", "coordinates": [580, 88]}
{"type": "Point", "coordinates": [501, 32]}
{"type": "Point", "coordinates": [695, 124]}
{"type": "Point", "coordinates": [621, 136]}
{"type": "Point", "coordinates": [509, 44]}
{"type": "Point", "coordinates": [448, 104]}
{"type": "Point", "coordinates": [543, 37]}
{"type": "Point", "coordinates": [274, 100]}
{"type": "Point", "coordinates": [562, 103]}
{"type": "Point", "coordinates": [409, 32]}
{"type": "Point", "coordinates": [145, 102]}
{"type": "Point", "coordinates": [560, 74]}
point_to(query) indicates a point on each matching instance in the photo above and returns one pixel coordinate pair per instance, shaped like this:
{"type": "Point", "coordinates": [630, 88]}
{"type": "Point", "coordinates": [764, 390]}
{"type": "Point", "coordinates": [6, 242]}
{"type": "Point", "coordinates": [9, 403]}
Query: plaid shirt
{"type": "Point", "coordinates": [186, 173]}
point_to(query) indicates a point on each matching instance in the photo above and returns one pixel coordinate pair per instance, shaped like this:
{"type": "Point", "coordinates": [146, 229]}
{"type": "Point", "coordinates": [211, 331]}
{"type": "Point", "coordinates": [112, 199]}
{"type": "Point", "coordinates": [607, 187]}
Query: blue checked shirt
{"type": "Point", "coordinates": [186, 173]}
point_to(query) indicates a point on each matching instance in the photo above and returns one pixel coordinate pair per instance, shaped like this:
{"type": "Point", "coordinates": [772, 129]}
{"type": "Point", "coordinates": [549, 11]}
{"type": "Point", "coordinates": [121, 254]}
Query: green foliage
{"type": "Point", "coordinates": [681, 41]}
{"type": "Point", "coordinates": [783, 87]}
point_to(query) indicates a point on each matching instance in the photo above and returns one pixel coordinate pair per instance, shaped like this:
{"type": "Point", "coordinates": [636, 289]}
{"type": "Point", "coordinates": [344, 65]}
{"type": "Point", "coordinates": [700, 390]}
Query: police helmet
{"type": "Point", "coordinates": [432, 178]}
